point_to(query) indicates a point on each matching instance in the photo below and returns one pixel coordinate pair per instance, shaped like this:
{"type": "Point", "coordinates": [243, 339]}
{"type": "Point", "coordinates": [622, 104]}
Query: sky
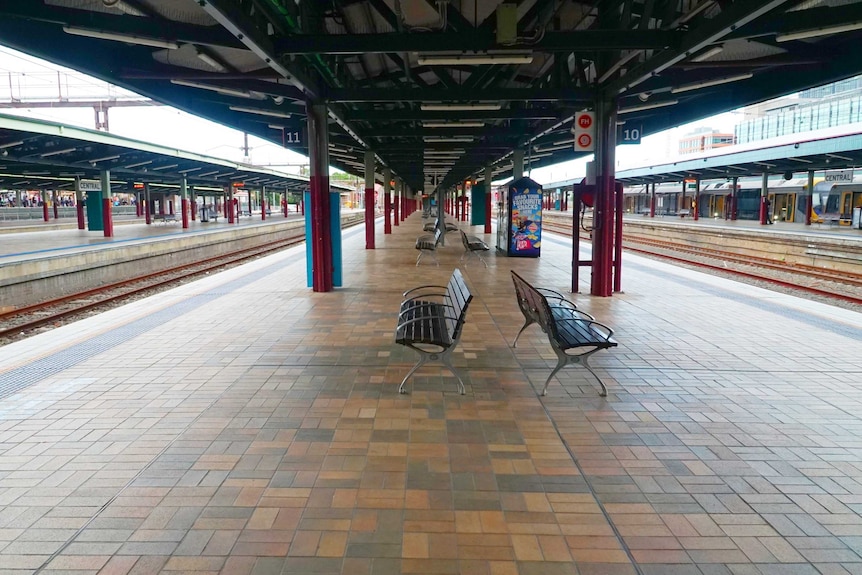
{"type": "Point", "coordinates": [32, 78]}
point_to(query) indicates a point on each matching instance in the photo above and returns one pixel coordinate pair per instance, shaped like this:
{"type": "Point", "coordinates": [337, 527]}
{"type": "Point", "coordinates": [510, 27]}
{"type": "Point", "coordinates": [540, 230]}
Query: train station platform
{"type": "Point", "coordinates": [244, 424]}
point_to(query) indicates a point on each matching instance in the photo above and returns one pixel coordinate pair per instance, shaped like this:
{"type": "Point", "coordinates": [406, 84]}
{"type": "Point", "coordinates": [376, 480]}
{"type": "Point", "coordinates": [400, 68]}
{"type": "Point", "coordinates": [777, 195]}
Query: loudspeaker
{"type": "Point", "coordinates": [788, 175]}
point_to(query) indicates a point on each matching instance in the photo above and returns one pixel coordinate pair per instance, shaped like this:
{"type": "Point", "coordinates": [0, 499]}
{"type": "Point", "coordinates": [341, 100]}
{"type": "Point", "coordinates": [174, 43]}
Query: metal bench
{"type": "Point", "coordinates": [431, 226]}
{"type": "Point", "coordinates": [430, 321]}
{"type": "Point", "coordinates": [567, 328]}
{"type": "Point", "coordinates": [473, 246]}
{"type": "Point", "coordinates": [428, 245]}
{"type": "Point", "coordinates": [165, 218]}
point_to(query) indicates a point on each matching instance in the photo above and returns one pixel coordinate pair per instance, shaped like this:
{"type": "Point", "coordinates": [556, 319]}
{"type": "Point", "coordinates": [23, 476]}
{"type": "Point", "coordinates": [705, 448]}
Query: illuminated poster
{"type": "Point", "coordinates": [525, 213]}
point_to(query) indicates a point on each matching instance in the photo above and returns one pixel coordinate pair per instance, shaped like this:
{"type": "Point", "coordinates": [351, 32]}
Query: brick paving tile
{"type": "Point", "coordinates": [287, 451]}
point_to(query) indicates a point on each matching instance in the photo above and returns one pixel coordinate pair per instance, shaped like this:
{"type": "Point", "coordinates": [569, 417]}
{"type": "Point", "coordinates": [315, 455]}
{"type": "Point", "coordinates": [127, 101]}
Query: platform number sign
{"type": "Point", "coordinates": [584, 129]}
{"type": "Point", "coordinates": [292, 134]}
{"type": "Point", "coordinates": [629, 134]}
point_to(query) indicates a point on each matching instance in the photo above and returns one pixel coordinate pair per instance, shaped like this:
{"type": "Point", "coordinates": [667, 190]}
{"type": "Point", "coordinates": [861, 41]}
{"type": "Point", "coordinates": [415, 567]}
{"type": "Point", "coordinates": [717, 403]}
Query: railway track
{"type": "Point", "coordinates": [827, 285]}
{"type": "Point", "coordinates": [26, 321]}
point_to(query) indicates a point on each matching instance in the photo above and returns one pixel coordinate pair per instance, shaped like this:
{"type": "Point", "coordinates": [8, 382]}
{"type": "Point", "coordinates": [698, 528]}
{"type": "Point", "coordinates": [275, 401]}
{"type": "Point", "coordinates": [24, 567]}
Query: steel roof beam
{"type": "Point", "coordinates": [433, 42]}
{"type": "Point", "coordinates": [460, 95]}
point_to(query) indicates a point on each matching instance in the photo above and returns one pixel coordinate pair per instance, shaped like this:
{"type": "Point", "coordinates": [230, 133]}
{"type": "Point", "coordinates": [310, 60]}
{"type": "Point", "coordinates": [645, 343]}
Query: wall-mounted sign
{"type": "Point", "coordinates": [839, 176]}
{"type": "Point", "coordinates": [292, 134]}
{"type": "Point", "coordinates": [584, 129]}
{"type": "Point", "coordinates": [91, 186]}
{"type": "Point", "coordinates": [629, 134]}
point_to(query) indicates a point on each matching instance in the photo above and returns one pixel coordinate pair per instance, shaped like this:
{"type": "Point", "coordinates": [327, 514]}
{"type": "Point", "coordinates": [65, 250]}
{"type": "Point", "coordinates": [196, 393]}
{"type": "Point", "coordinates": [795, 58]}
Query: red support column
{"type": "Point", "coordinates": [56, 204]}
{"type": "Point", "coordinates": [44, 197]}
{"type": "Point", "coordinates": [809, 198]}
{"type": "Point", "coordinates": [603, 210]}
{"type": "Point", "coordinates": [387, 201]}
{"type": "Point", "coordinates": [396, 217]}
{"type": "Point", "coordinates": [764, 199]}
{"type": "Point", "coordinates": [184, 206]}
{"type": "Point", "coordinates": [79, 211]}
{"type": "Point", "coordinates": [320, 234]}
{"type": "Point", "coordinates": [489, 193]}
{"type": "Point", "coordinates": [369, 200]}
{"type": "Point", "coordinates": [695, 204]}
{"type": "Point", "coordinates": [262, 209]}
{"type": "Point", "coordinates": [107, 216]}
{"type": "Point", "coordinates": [618, 239]}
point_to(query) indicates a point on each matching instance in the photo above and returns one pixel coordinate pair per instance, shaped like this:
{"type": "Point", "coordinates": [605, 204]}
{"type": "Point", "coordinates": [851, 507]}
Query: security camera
{"type": "Point", "coordinates": [278, 100]}
{"type": "Point", "coordinates": [644, 96]}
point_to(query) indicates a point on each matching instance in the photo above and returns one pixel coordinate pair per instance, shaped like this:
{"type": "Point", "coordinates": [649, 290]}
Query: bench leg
{"type": "Point", "coordinates": [444, 358]}
{"type": "Point", "coordinates": [563, 360]}
{"type": "Point", "coordinates": [527, 323]}
{"type": "Point", "coordinates": [423, 358]}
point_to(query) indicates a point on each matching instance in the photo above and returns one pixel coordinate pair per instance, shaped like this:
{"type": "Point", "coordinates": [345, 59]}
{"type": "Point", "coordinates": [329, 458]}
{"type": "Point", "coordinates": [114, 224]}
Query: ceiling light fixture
{"type": "Point", "coordinates": [105, 159]}
{"type": "Point", "coordinates": [817, 32]}
{"type": "Point", "coordinates": [58, 152]}
{"type": "Point", "coordinates": [473, 59]}
{"type": "Point", "coordinates": [650, 106]}
{"type": "Point", "coordinates": [443, 139]}
{"type": "Point", "coordinates": [117, 37]}
{"type": "Point", "coordinates": [210, 61]}
{"type": "Point", "coordinates": [138, 164]}
{"type": "Point", "coordinates": [486, 107]}
{"type": "Point", "coordinates": [186, 171]}
{"type": "Point", "coordinates": [837, 157]}
{"type": "Point", "coordinates": [708, 54]}
{"type": "Point", "coordinates": [568, 146]}
{"type": "Point", "coordinates": [260, 111]}
{"type": "Point", "coordinates": [11, 144]}
{"type": "Point", "coordinates": [712, 82]}
{"type": "Point", "coordinates": [221, 90]}
{"type": "Point", "coordinates": [452, 124]}
{"type": "Point", "coordinates": [206, 174]}
{"type": "Point", "coordinates": [165, 167]}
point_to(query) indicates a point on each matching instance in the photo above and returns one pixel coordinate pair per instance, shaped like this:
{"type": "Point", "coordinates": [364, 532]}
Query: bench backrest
{"type": "Point", "coordinates": [531, 302]}
{"type": "Point", "coordinates": [457, 296]}
{"type": "Point", "coordinates": [465, 241]}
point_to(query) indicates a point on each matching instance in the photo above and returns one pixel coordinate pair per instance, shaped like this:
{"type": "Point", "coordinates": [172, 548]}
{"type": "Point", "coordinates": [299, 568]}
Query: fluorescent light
{"type": "Point", "coordinates": [210, 61]}
{"type": "Point", "coordinates": [436, 139]}
{"type": "Point", "coordinates": [206, 174]}
{"type": "Point", "coordinates": [186, 171]}
{"type": "Point", "coordinates": [713, 82]}
{"type": "Point", "coordinates": [452, 124]}
{"type": "Point", "coordinates": [58, 152]}
{"type": "Point", "coordinates": [836, 156]}
{"type": "Point", "coordinates": [166, 167]}
{"type": "Point", "coordinates": [473, 59]}
{"type": "Point", "coordinates": [221, 90]}
{"type": "Point", "coordinates": [566, 146]}
{"type": "Point", "coordinates": [708, 54]}
{"type": "Point", "coordinates": [11, 144]}
{"type": "Point", "coordinates": [138, 164]}
{"type": "Point", "coordinates": [815, 32]}
{"type": "Point", "coordinates": [105, 159]}
{"type": "Point", "coordinates": [803, 160]}
{"type": "Point", "coordinates": [260, 111]}
{"type": "Point", "coordinates": [127, 38]}
{"type": "Point", "coordinates": [649, 106]}
{"type": "Point", "coordinates": [488, 107]}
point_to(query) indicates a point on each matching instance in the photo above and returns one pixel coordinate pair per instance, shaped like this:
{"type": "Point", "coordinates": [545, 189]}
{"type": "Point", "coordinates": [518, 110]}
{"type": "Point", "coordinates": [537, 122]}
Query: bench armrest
{"type": "Point", "coordinates": [403, 322]}
{"type": "Point", "coordinates": [549, 292]}
{"type": "Point", "coordinates": [593, 324]}
{"type": "Point", "coordinates": [426, 287]}
{"type": "Point", "coordinates": [424, 305]}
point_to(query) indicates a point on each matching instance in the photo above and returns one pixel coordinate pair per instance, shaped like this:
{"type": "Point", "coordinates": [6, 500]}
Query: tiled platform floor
{"type": "Point", "coordinates": [244, 424]}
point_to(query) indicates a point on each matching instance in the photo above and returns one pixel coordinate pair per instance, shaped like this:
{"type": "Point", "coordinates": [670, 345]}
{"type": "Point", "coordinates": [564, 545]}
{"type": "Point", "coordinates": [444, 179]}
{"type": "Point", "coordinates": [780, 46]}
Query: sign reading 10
{"type": "Point", "coordinates": [630, 135]}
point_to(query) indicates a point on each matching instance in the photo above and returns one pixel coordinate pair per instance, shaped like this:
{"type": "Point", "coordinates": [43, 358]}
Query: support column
{"type": "Point", "coordinates": [79, 203]}
{"type": "Point", "coordinates": [396, 217]}
{"type": "Point", "coordinates": [695, 205]}
{"type": "Point", "coordinates": [148, 207]}
{"type": "Point", "coordinates": [107, 219]}
{"type": "Point", "coordinates": [230, 210]}
{"type": "Point", "coordinates": [764, 199]}
{"type": "Point", "coordinates": [681, 204]}
{"type": "Point", "coordinates": [184, 201]}
{"type": "Point", "coordinates": [193, 203]}
{"type": "Point", "coordinates": [320, 230]}
{"type": "Point", "coordinates": [387, 201]}
{"type": "Point", "coordinates": [517, 164]}
{"type": "Point", "coordinates": [489, 175]}
{"type": "Point", "coordinates": [809, 198]}
{"type": "Point", "coordinates": [369, 199]}
{"type": "Point", "coordinates": [652, 201]}
{"type": "Point", "coordinates": [263, 203]}
{"type": "Point", "coordinates": [603, 211]}
{"type": "Point", "coordinates": [55, 202]}
{"type": "Point", "coordinates": [734, 199]}
{"type": "Point", "coordinates": [43, 196]}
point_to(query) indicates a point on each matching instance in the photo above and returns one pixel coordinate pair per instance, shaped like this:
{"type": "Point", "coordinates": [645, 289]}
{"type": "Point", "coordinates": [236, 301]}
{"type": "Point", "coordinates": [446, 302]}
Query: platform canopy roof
{"type": "Point", "coordinates": [824, 150]}
{"type": "Point", "coordinates": [39, 154]}
{"type": "Point", "coordinates": [438, 89]}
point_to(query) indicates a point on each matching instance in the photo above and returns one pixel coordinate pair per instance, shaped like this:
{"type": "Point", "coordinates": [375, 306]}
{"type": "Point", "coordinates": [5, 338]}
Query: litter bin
{"type": "Point", "coordinates": [857, 218]}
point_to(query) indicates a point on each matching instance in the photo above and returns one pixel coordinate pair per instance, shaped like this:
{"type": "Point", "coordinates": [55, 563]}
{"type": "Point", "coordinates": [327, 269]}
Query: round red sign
{"type": "Point", "coordinates": [585, 121]}
{"type": "Point", "coordinates": [585, 141]}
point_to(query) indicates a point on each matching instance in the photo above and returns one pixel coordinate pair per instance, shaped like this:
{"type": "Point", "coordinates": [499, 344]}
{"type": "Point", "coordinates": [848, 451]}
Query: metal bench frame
{"type": "Point", "coordinates": [428, 245]}
{"type": "Point", "coordinates": [430, 321]}
{"type": "Point", "coordinates": [567, 328]}
{"type": "Point", "coordinates": [473, 246]}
